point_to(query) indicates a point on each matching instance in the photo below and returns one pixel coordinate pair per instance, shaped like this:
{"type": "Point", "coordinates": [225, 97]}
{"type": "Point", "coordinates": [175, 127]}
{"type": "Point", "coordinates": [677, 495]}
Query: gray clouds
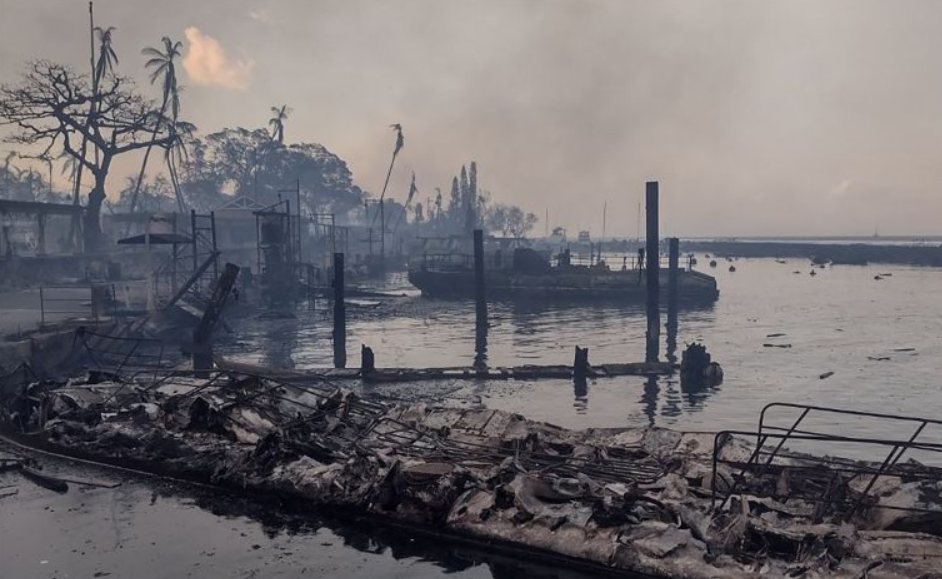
{"type": "Point", "coordinates": [758, 117]}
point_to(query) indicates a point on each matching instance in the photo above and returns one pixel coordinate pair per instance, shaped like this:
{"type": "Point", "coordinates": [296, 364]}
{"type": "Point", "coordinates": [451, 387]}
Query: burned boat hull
{"type": "Point", "coordinates": [693, 288]}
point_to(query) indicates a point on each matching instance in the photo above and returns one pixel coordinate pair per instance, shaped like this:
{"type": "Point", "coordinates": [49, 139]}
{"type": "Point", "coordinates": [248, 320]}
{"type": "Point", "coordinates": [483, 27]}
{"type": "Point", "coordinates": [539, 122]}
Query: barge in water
{"type": "Point", "coordinates": [526, 274]}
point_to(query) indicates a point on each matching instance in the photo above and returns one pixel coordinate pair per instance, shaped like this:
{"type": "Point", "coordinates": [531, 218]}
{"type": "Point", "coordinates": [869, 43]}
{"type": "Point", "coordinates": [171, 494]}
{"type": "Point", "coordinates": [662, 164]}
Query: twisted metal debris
{"type": "Point", "coordinates": [643, 500]}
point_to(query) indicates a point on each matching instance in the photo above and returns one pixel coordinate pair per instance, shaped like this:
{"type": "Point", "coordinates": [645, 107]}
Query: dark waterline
{"type": "Point", "coordinates": [150, 529]}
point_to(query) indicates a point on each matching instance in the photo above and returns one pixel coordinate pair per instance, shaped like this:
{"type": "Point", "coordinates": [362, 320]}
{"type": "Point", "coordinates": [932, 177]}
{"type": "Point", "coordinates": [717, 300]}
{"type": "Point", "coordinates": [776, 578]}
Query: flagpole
{"type": "Point", "coordinates": [382, 212]}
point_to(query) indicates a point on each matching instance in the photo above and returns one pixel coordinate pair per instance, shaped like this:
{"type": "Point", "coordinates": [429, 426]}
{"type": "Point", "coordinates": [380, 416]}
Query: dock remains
{"type": "Point", "coordinates": [645, 500]}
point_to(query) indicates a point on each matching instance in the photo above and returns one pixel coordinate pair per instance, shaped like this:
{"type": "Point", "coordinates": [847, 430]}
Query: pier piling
{"type": "Point", "coordinates": [479, 297]}
{"type": "Point", "coordinates": [367, 360]}
{"type": "Point", "coordinates": [652, 273]}
{"type": "Point", "coordinates": [340, 315]}
{"type": "Point", "coordinates": [580, 365]}
{"type": "Point", "coordinates": [480, 304]}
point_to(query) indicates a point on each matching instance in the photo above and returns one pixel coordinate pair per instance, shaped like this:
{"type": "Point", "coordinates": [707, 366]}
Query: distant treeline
{"type": "Point", "coordinates": [852, 254]}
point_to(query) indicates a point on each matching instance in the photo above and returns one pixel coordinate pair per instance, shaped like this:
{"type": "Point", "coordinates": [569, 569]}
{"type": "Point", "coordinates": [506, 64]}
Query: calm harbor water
{"type": "Point", "coordinates": [880, 338]}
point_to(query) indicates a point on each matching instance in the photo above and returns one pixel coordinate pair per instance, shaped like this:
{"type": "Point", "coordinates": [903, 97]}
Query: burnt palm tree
{"type": "Point", "coordinates": [400, 142]}
{"type": "Point", "coordinates": [69, 166]}
{"type": "Point", "coordinates": [107, 60]}
{"type": "Point", "coordinates": [163, 69]}
{"type": "Point", "coordinates": [277, 123]}
{"type": "Point", "coordinates": [176, 153]}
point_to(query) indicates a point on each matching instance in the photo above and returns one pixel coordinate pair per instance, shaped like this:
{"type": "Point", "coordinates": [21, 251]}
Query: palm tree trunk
{"type": "Point", "coordinates": [176, 183]}
{"type": "Point", "coordinates": [382, 197]}
{"type": "Point", "coordinates": [140, 175]}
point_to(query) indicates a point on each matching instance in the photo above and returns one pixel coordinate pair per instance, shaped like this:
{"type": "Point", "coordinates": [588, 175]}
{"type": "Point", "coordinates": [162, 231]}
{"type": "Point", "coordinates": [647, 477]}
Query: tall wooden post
{"type": "Point", "coordinates": [479, 298]}
{"type": "Point", "coordinates": [652, 274]}
{"type": "Point", "coordinates": [480, 304]}
{"type": "Point", "coordinates": [340, 315]}
{"type": "Point", "coordinates": [193, 241]}
{"type": "Point", "coordinates": [673, 278]}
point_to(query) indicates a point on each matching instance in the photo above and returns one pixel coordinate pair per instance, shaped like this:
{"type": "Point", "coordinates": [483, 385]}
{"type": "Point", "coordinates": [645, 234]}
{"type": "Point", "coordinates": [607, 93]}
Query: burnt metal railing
{"type": "Point", "coordinates": [89, 303]}
{"type": "Point", "coordinates": [504, 261]}
{"type": "Point", "coordinates": [634, 465]}
{"type": "Point", "coordinates": [126, 358]}
{"type": "Point", "coordinates": [243, 388]}
{"type": "Point", "coordinates": [823, 477]}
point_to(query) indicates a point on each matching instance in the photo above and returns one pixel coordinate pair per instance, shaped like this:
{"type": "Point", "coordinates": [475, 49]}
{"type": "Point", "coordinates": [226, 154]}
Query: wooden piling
{"type": "Point", "coordinates": [479, 296]}
{"type": "Point", "coordinates": [340, 315]}
{"type": "Point", "coordinates": [652, 273]}
{"type": "Point", "coordinates": [580, 365]}
{"type": "Point", "coordinates": [367, 360]}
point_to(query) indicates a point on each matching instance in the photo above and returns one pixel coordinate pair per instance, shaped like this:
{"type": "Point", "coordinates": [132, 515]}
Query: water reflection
{"type": "Point", "coordinates": [580, 388]}
{"type": "Point", "coordinates": [423, 332]}
{"type": "Point", "coordinates": [672, 335]}
{"type": "Point", "coordinates": [696, 392]}
{"type": "Point", "coordinates": [649, 395]}
{"type": "Point", "coordinates": [280, 339]}
{"type": "Point", "coordinates": [399, 543]}
{"type": "Point", "coordinates": [480, 343]}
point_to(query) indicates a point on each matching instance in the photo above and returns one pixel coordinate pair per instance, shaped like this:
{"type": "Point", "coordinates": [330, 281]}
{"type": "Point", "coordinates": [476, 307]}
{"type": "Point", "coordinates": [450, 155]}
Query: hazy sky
{"type": "Point", "coordinates": [757, 117]}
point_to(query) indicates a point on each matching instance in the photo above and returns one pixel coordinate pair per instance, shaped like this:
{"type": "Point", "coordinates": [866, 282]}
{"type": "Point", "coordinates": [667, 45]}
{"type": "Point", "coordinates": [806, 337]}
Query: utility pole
{"type": "Point", "coordinates": [91, 44]}
{"type": "Point", "coordinates": [638, 230]}
{"type": "Point", "coordinates": [297, 235]}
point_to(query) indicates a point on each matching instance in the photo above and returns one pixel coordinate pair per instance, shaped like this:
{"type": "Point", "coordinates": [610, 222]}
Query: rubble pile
{"type": "Point", "coordinates": [644, 500]}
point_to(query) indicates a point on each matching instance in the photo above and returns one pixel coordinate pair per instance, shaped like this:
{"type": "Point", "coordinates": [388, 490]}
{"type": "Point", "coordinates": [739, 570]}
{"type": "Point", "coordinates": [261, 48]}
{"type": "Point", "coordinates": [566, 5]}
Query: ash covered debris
{"type": "Point", "coordinates": [628, 499]}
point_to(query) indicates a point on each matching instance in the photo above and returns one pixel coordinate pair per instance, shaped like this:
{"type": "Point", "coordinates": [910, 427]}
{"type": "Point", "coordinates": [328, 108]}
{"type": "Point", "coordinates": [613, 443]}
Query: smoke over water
{"type": "Point", "coordinates": [758, 118]}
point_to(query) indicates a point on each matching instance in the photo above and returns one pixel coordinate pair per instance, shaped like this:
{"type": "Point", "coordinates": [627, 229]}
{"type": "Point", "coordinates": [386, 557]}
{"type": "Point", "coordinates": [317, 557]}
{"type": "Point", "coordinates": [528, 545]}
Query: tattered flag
{"type": "Point", "coordinates": [412, 190]}
{"type": "Point", "coordinates": [400, 141]}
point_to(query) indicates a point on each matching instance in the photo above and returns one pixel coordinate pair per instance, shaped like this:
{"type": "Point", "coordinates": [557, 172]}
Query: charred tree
{"type": "Point", "coordinates": [50, 108]}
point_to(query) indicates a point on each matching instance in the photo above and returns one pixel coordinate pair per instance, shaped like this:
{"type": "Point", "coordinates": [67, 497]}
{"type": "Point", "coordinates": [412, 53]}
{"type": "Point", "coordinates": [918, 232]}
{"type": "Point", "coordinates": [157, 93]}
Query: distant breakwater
{"type": "Point", "coordinates": [850, 254]}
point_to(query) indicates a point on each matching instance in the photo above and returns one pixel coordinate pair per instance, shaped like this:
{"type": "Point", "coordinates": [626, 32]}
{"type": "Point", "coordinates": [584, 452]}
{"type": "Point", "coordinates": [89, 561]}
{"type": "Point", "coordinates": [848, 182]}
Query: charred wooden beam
{"type": "Point", "coordinates": [202, 335]}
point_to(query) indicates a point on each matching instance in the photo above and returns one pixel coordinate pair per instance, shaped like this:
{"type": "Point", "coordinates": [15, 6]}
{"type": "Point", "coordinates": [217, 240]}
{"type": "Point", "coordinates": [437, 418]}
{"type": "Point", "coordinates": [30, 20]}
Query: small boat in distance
{"type": "Point", "coordinates": [526, 274]}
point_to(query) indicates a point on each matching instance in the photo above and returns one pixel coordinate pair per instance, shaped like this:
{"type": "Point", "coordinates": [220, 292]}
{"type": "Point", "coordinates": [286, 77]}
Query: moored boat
{"type": "Point", "coordinates": [527, 275]}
